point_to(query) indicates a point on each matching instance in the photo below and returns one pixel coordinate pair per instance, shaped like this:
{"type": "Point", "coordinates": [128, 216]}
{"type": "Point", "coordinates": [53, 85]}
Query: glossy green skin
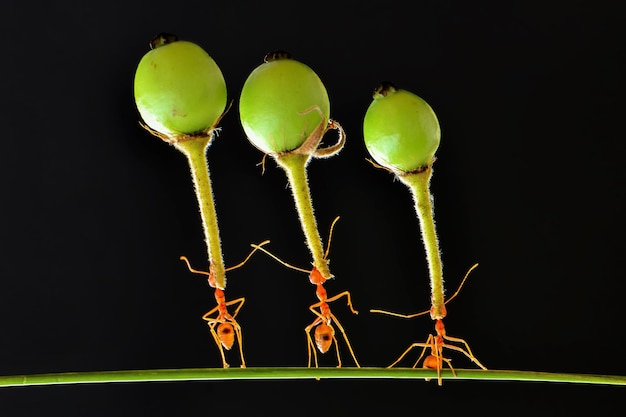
{"type": "Point", "coordinates": [179, 89]}
{"type": "Point", "coordinates": [277, 105]}
{"type": "Point", "coordinates": [401, 132]}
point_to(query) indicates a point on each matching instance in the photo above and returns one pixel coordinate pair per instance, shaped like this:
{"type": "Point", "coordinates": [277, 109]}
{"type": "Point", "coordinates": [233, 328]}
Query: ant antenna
{"type": "Point", "coordinates": [330, 237]}
{"type": "Point", "coordinates": [421, 313]}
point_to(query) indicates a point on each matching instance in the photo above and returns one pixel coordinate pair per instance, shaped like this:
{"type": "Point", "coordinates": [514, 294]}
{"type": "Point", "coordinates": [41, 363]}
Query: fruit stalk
{"type": "Point", "coordinates": [294, 165]}
{"type": "Point", "coordinates": [195, 151]}
{"type": "Point", "coordinates": [419, 184]}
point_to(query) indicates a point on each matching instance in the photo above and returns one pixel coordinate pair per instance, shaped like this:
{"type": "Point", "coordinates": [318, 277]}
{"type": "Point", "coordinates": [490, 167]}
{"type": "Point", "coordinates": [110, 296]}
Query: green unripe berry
{"type": "Point", "coordinates": [179, 89]}
{"type": "Point", "coordinates": [282, 102]}
{"type": "Point", "coordinates": [401, 130]}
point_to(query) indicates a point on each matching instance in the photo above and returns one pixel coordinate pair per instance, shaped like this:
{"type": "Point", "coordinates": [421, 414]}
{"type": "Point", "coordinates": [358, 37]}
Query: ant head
{"type": "Point", "coordinates": [324, 335]}
{"type": "Point", "coordinates": [438, 315]}
{"type": "Point", "coordinates": [226, 334]}
{"type": "Point", "coordinates": [315, 277]}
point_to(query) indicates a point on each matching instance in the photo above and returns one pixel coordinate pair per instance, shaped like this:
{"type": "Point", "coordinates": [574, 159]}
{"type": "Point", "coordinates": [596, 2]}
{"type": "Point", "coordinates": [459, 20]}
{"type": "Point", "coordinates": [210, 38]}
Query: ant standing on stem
{"type": "Point", "coordinates": [437, 342]}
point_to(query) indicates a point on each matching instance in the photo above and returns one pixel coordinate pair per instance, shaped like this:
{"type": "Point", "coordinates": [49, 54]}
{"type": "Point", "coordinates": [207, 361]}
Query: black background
{"type": "Point", "coordinates": [528, 183]}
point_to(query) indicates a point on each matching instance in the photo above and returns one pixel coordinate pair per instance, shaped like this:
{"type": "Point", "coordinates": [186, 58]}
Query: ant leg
{"type": "Point", "coordinates": [467, 351]}
{"type": "Point", "coordinates": [438, 364]}
{"type": "Point", "coordinates": [449, 363]}
{"type": "Point", "coordinates": [435, 361]}
{"type": "Point", "coordinates": [337, 350]}
{"type": "Point", "coordinates": [423, 352]}
{"type": "Point", "coordinates": [212, 324]}
{"type": "Point", "coordinates": [240, 342]}
{"type": "Point", "coordinates": [348, 296]}
{"type": "Point", "coordinates": [313, 310]}
{"type": "Point", "coordinates": [233, 302]}
{"type": "Point", "coordinates": [410, 348]}
{"type": "Point", "coordinates": [345, 337]}
{"type": "Point", "coordinates": [237, 326]}
{"type": "Point", "coordinates": [310, 344]}
{"type": "Point", "coordinates": [428, 344]}
{"type": "Point", "coordinates": [208, 313]}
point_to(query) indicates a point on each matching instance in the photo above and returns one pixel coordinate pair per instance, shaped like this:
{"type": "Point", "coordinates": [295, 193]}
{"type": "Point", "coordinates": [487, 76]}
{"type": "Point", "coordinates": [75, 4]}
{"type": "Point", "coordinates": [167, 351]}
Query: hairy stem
{"type": "Point", "coordinates": [419, 184]}
{"type": "Point", "coordinates": [195, 151]}
{"type": "Point", "coordinates": [294, 165]}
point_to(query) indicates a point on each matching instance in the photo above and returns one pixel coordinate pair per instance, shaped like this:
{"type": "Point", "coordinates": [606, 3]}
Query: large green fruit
{"type": "Point", "coordinates": [281, 104]}
{"type": "Point", "coordinates": [179, 89]}
{"type": "Point", "coordinates": [401, 130]}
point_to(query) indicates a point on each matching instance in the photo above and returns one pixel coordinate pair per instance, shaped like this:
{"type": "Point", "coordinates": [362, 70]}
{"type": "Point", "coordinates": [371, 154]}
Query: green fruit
{"type": "Point", "coordinates": [281, 104]}
{"type": "Point", "coordinates": [401, 130]}
{"type": "Point", "coordinates": [179, 89]}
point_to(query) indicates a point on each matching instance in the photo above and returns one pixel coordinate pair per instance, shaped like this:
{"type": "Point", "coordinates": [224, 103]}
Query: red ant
{"type": "Point", "coordinates": [437, 342]}
{"type": "Point", "coordinates": [322, 326]}
{"type": "Point", "coordinates": [227, 327]}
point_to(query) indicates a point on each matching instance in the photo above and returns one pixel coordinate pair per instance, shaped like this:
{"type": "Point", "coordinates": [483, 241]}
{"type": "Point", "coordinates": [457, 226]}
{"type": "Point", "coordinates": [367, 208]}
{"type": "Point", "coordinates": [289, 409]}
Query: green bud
{"type": "Point", "coordinates": [282, 102]}
{"type": "Point", "coordinates": [179, 89]}
{"type": "Point", "coordinates": [401, 130]}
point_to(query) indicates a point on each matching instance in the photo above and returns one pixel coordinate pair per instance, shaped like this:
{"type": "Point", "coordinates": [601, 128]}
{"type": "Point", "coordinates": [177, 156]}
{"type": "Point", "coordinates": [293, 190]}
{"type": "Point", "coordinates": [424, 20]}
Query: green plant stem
{"type": "Point", "coordinates": [419, 184]}
{"type": "Point", "coordinates": [206, 374]}
{"type": "Point", "coordinates": [195, 151]}
{"type": "Point", "coordinates": [294, 165]}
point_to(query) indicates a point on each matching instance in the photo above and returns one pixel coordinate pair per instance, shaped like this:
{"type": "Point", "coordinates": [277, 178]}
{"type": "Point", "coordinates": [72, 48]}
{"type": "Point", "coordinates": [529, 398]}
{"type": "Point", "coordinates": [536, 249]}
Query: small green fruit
{"type": "Point", "coordinates": [179, 89]}
{"type": "Point", "coordinates": [401, 130]}
{"type": "Point", "coordinates": [282, 102]}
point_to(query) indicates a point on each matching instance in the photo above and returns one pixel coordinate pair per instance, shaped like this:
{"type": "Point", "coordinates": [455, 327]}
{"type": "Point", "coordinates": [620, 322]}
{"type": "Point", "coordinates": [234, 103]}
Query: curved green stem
{"type": "Point", "coordinates": [195, 151]}
{"type": "Point", "coordinates": [294, 165]}
{"type": "Point", "coordinates": [419, 184]}
{"type": "Point", "coordinates": [204, 374]}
